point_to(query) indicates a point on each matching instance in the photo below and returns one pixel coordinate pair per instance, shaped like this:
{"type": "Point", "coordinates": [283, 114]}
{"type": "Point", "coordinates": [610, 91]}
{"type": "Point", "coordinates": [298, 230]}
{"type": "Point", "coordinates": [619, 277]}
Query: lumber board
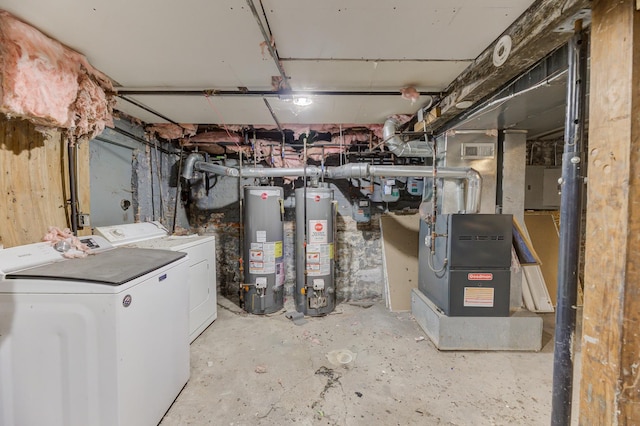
{"type": "Point", "coordinates": [609, 392]}
{"type": "Point", "coordinates": [545, 240]}
{"type": "Point", "coordinates": [34, 183]}
{"type": "Point", "coordinates": [399, 234]}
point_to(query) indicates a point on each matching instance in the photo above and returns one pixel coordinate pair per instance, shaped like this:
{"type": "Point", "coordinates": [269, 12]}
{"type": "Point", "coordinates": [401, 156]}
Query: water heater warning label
{"type": "Point", "coordinates": [478, 297]}
{"type": "Point", "coordinates": [318, 232]}
{"type": "Point", "coordinates": [262, 257]}
{"type": "Point", "coordinates": [319, 259]}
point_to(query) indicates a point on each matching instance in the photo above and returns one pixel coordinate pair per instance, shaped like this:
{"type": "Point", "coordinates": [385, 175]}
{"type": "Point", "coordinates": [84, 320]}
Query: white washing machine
{"type": "Point", "coordinates": [202, 264]}
{"type": "Point", "coordinates": [101, 340]}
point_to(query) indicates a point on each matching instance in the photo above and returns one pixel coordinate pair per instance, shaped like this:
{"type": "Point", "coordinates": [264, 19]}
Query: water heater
{"type": "Point", "coordinates": [263, 288]}
{"type": "Point", "coordinates": [315, 251]}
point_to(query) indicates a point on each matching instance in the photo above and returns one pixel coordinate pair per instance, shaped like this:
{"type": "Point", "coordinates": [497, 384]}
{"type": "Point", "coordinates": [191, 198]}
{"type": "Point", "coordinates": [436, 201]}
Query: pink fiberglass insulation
{"type": "Point", "coordinates": [47, 83]}
{"type": "Point", "coordinates": [172, 131]}
{"type": "Point", "coordinates": [410, 93]}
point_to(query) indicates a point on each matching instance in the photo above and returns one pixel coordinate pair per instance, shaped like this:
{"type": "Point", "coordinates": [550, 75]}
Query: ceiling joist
{"type": "Point", "coordinates": [532, 36]}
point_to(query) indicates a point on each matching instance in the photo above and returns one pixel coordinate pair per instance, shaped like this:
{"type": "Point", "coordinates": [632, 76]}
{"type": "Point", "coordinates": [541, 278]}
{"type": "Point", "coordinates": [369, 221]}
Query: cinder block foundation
{"type": "Point", "coordinates": [522, 331]}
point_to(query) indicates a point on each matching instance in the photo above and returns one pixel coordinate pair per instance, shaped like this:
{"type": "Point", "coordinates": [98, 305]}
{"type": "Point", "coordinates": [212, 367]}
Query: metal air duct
{"type": "Point", "coordinates": [395, 144]}
{"type": "Point", "coordinates": [349, 171]}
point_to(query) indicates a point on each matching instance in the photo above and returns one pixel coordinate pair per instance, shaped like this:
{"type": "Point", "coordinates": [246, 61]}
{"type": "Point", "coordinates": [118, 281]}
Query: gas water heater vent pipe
{"type": "Point", "coordinates": [400, 148]}
{"type": "Point", "coordinates": [349, 171]}
{"type": "Point", "coordinates": [195, 162]}
{"type": "Point", "coordinates": [363, 170]}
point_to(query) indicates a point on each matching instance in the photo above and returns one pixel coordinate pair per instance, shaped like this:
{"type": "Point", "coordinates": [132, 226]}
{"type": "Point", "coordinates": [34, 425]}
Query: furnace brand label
{"type": "Point", "coordinates": [481, 297]}
{"type": "Point", "coordinates": [318, 232]}
{"type": "Point", "coordinates": [480, 276]}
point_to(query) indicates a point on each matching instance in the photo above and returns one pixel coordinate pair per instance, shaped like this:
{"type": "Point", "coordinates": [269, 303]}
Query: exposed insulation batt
{"type": "Point", "coordinates": [170, 131]}
{"type": "Point", "coordinates": [49, 84]}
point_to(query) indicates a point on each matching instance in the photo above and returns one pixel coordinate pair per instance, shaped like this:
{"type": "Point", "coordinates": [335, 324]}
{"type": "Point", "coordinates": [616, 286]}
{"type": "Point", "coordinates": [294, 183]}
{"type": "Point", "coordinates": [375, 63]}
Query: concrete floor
{"type": "Point", "coordinates": [265, 370]}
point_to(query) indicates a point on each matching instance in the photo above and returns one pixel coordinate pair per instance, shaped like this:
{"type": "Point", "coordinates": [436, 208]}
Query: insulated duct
{"type": "Point", "coordinates": [400, 148]}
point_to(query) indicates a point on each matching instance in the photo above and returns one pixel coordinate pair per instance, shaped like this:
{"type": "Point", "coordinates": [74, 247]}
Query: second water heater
{"type": "Point", "coordinates": [315, 251]}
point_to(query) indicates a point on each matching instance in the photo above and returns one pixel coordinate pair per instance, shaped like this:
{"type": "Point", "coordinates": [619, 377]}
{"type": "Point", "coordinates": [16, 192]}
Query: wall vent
{"type": "Point", "coordinates": [474, 151]}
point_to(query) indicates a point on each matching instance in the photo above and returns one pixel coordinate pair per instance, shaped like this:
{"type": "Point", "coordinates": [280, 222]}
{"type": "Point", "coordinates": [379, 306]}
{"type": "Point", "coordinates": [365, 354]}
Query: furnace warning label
{"type": "Point", "coordinates": [319, 259]}
{"type": "Point", "coordinates": [478, 297]}
{"type": "Point", "coordinates": [318, 232]}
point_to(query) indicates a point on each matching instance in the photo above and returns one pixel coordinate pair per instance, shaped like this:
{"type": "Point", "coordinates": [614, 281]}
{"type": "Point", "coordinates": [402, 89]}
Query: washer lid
{"type": "Point", "coordinates": [128, 233]}
{"type": "Point", "coordinates": [113, 267]}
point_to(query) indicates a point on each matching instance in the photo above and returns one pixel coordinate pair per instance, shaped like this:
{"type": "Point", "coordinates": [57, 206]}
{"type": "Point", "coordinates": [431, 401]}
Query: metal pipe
{"type": "Point", "coordinates": [158, 91]}
{"type": "Point", "coordinates": [273, 115]}
{"type": "Point", "coordinates": [363, 170]}
{"type": "Point", "coordinates": [189, 165]}
{"type": "Point", "coordinates": [358, 171]}
{"type": "Point", "coordinates": [151, 188]}
{"type": "Point", "coordinates": [413, 148]}
{"type": "Point", "coordinates": [310, 171]}
{"type": "Point", "coordinates": [348, 171]}
{"type": "Point", "coordinates": [218, 169]}
{"type": "Point", "coordinates": [178, 192]}
{"type": "Point", "coordinates": [570, 223]}
{"type": "Point", "coordinates": [73, 198]}
{"type": "Point", "coordinates": [160, 180]}
{"type": "Point", "coordinates": [146, 108]}
{"type": "Point", "coordinates": [267, 40]}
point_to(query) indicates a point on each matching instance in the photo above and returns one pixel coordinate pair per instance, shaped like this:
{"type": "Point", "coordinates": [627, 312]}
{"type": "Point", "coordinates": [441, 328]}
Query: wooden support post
{"type": "Point", "coordinates": [609, 390]}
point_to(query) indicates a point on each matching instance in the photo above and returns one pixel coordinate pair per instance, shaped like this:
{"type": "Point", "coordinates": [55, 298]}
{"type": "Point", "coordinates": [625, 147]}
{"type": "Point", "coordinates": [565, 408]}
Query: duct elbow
{"type": "Point", "coordinates": [414, 148]}
{"type": "Point", "coordinates": [189, 165]}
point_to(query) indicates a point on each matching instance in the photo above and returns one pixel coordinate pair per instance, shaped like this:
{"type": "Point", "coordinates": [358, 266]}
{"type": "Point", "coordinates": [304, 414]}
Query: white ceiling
{"type": "Point", "coordinates": [340, 45]}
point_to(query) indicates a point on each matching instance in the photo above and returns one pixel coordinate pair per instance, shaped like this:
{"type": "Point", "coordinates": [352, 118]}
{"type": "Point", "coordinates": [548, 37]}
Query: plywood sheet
{"type": "Point", "coordinates": [33, 182]}
{"type": "Point", "coordinates": [400, 247]}
{"type": "Point", "coordinates": [545, 240]}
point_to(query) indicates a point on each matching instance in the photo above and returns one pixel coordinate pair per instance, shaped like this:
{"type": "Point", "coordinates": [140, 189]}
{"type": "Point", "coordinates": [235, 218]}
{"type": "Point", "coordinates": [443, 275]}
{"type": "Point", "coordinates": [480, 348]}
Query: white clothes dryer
{"type": "Point", "coordinates": [201, 250]}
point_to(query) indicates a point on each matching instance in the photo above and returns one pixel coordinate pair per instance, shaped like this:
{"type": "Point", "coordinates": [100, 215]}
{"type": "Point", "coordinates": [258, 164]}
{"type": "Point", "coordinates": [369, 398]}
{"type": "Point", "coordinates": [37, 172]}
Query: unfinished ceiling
{"type": "Point", "coordinates": [338, 46]}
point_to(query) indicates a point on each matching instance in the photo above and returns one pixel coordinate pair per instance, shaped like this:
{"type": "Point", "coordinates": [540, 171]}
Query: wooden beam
{"type": "Point", "coordinates": [609, 390]}
{"type": "Point", "coordinates": [533, 36]}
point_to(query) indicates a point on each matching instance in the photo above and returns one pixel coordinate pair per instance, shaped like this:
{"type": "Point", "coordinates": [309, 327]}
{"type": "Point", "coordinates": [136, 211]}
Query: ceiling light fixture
{"type": "Point", "coordinates": [302, 101]}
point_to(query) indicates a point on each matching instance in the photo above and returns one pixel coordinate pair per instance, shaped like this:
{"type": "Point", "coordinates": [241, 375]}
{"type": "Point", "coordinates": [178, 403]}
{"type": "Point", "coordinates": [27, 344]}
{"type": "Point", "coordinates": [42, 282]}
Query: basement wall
{"type": "Point", "coordinates": [134, 179]}
{"type": "Point", "coordinates": [358, 270]}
